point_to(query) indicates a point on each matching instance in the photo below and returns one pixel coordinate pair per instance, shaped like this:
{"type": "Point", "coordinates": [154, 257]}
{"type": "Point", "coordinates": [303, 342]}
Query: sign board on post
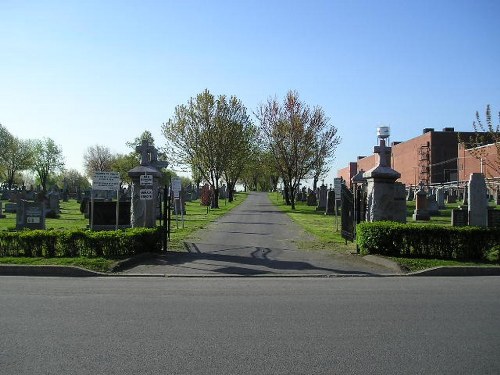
{"type": "Point", "coordinates": [146, 179]}
{"type": "Point", "coordinates": [146, 194]}
{"type": "Point", "coordinates": [337, 183]}
{"type": "Point", "coordinates": [106, 181]}
{"type": "Point", "coordinates": [176, 187]}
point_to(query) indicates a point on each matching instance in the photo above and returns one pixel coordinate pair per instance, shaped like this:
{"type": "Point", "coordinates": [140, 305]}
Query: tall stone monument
{"type": "Point", "coordinates": [478, 200]}
{"type": "Point", "coordinates": [386, 198]}
{"type": "Point", "coordinates": [145, 185]}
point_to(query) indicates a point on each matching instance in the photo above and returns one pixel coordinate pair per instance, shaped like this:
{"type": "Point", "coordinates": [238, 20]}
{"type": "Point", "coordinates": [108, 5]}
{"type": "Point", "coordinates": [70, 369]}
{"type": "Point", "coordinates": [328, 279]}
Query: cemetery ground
{"type": "Point", "coordinates": [72, 219]}
{"type": "Point", "coordinates": [322, 227]}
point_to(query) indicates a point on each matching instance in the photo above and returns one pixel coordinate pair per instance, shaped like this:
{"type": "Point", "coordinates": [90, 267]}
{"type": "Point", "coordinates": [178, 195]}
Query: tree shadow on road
{"type": "Point", "coordinates": [252, 261]}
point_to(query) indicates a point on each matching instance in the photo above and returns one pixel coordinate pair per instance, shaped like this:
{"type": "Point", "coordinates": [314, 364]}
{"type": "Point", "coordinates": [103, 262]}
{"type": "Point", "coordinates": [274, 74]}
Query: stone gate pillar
{"type": "Point", "coordinates": [145, 186]}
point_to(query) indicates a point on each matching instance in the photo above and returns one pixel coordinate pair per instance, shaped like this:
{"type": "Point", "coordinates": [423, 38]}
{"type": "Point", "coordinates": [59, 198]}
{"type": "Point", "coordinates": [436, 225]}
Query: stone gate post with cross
{"type": "Point", "coordinates": [145, 186]}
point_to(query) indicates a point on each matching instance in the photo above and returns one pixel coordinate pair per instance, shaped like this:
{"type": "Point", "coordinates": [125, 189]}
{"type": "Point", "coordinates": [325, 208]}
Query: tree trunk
{"type": "Point", "coordinates": [215, 198]}
{"type": "Point", "coordinates": [315, 183]}
{"type": "Point", "coordinates": [230, 188]}
{"type": "Point", "coordinates": [287, 194]}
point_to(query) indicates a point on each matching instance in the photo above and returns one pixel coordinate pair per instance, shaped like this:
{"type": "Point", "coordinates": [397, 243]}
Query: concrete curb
{"type": "Point", "coordinates": [64, 271]}
{"type": "Point", "coordinates": [387, 263]}
{"type": "Point", "coordinates": [458, 271]}
{"type": "Point", "coordinates": [435, 271]}
{"type": "Point", "coordinates": [72, 271]}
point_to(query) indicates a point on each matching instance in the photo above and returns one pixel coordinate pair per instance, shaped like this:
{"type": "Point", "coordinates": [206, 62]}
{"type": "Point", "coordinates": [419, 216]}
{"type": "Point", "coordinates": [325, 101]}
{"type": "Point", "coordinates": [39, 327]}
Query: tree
{"type": "Point", "coordinates": [16, 155]}
{"type": "Point", "coordinates": [19, 158]}
{"type": "Point", "coordinates": [238, 140]}
{"type": "Point", "coordinates": [123, 163]}
{"type": "Point", "coordinates": [200, 134]}
{"type": "Point", "coordinates": [73, 180]}
{"type": "Point", "coordinates": [97, 159]}
{"type": "Point", "coordinates": [326, 145]}
{"type": "Point", "coordinates": [294, 134]}
{"type": "Point", "coordinates": [485, 134]}
{"type": "Point", "coordinates": [47, 159]}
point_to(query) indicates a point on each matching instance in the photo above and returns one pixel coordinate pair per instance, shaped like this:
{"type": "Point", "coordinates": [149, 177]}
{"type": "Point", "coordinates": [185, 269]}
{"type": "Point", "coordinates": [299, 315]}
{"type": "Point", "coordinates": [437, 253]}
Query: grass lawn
{"type": "Point", "coordinates": [324, 229]}
{"type": "Point", "coordinates": [196, 217]}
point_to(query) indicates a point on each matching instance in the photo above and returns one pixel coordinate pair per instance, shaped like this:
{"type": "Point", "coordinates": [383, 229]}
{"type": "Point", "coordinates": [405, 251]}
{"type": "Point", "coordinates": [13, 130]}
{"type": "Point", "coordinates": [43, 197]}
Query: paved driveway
{"type": "Point", "coordinates": [255, 238]}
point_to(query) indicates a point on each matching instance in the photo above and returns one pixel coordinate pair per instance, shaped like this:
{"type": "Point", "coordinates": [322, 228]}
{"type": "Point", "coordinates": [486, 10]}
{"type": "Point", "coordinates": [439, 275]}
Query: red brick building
{"type": "Point", "coordinates": [431, 157]}
{"type": "Point", "coordinates": [489, 163]}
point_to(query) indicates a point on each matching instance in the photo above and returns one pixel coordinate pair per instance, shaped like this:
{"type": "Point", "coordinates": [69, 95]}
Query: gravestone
{"type": "Point", "coordinates": [330, 202]}
{"type": "Point", "coordinates": [105, 215]}
{"type": "Point", "coordinates": [2, 216]}
{"type": "Point", "coordinates": [5, 195]}
{"type": "Point", "coordinates": [144, 189]}
{"type": "Point", "coordinates": [30, 215]}
{"type": "Point", "coordinates": [478, 200]}
{"type": "Point", "coordinates": [493, 218]}
{"type": "Point", "coordinates": [465, 197]}
{"type": "Point", "coordinates": [452, 196]}
{"type": "Point", "coordinates": [323, 197]}
{"type": "Point", "coordinates": [223, 192]}
{"type": "Point", "coordinates": [432, 205]}
{"type": "Point", "coordinates": [11, 208]}
{"type": "Point", "coordinates": [383, 194]}
{"type": "Point", "coordinates": [30, 195]}
{"type": "Point", "coordinates": [440, 198]}
{"type": "Point", "coordinates": [497, 197]}
{"type": "Point", "coordinates": [311, 199]}
{"type": "Point", "coordinates": [303, 196]}
{"type": "Point", "coordinates": [421, 212]}
{"type": "Point", "coordinates": [53, 207]}
{"type": "Point", "coordinates": [399, 207]}
{"type": "Point", "coordinates": [459, 217]}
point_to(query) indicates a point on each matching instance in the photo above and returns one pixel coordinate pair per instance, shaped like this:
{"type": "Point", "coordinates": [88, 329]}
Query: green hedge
{"type": "Point", "coordinates": [49, 243]}
{"type": "Point", "coordinates": [426, 241]}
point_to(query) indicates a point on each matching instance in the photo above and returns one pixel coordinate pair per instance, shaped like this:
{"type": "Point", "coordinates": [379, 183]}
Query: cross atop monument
{"type": "Point", "coordinates": [148, 153]}
{"type": "Point", "coordinates": [384, 154]}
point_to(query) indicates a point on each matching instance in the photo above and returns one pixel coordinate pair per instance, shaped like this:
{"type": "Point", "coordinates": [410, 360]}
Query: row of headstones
{"type": "Point", "coordinates": [50, 204]}
{"type": "Point", "coordinates": [442, 195]}
{"type": "Point", "coordinates": [474, 211]}
{"type": "Point", "coordinates": [323, 198]}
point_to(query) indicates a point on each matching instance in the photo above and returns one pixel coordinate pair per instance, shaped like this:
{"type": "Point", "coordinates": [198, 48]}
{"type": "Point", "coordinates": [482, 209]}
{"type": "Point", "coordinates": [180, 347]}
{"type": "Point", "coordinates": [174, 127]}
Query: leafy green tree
{"type": "Point", "coordinates": [293, 133]}
{"type": "Point", "coordinates": [48, 159]}
{"type": "Point", "coordinates": [16, 155]}
{"type": "Point", "coordinates": [73, 180]}
{"type": "Point", "coordinates": [123, 163]}
{"type": "Point", "coordinates": [97, 159]}
{"type": "Point", "coordinates": [200, 135]}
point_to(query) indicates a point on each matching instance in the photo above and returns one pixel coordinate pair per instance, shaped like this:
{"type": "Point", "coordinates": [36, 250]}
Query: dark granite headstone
{"type": "Point", "coordinates": [30, 215]}
{"type": "Point", "coordinates": [459, 218]}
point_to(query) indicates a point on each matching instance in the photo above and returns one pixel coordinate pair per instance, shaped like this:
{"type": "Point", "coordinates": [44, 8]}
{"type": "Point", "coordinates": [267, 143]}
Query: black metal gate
{"type": "Point", "coordinates": [347, 214]}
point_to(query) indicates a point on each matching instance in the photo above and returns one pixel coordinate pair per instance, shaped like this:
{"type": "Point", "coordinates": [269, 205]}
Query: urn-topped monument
{"type": "Point", "coordinates": [145, 185]}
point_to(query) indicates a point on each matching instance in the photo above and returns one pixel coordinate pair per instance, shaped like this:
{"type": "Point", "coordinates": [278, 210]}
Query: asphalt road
{"type": "Point", "coordinates": [255, 238]}
{"type": "Point", "coordinates": [361, 325]}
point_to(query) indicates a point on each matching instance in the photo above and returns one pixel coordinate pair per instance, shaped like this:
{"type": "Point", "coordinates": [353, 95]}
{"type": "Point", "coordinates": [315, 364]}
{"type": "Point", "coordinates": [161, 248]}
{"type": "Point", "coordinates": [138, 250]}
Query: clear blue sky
{"type": "Point", "coordinates": [101, 72]}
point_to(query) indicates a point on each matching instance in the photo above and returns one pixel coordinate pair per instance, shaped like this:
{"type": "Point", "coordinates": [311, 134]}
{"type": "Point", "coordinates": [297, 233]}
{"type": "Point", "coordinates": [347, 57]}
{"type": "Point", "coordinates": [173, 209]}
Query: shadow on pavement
{"type": "Point", "coordinates": [253, 261]}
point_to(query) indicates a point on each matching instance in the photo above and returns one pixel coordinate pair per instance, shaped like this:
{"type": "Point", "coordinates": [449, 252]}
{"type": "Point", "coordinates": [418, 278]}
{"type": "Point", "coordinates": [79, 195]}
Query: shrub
{"type": "Point", "coordinates": [49, 243]}
{"type": "Point", "coordinates": [426, 241]}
